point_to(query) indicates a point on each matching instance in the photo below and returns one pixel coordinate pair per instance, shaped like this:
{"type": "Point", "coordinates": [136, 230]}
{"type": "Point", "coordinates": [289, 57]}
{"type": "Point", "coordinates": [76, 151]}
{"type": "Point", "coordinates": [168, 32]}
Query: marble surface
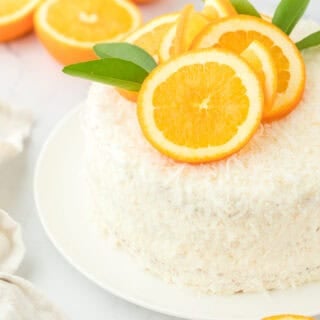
{"type": "Point", "coordinates": [30, 78]}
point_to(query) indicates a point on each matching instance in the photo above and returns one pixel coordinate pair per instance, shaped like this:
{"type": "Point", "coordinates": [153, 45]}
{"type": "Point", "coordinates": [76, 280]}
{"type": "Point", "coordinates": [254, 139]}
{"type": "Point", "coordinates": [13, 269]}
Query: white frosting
{"type": "Point", "coordinates": [247, 223]}
{"type": "Point", "coordinates": [12, 248]}
{"type": "Point", "coordinates": [15, 127]}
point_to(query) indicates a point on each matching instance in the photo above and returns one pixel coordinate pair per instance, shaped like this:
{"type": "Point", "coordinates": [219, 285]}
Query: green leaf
{"type": "Point", "coordinates": [245, 7]}
{"type": "Point", "coordinates": [126, 51]}
{"type": "Point", "coordinates": [288, 14]}
{"type": "Point", "coordinates": [311, 40]}
{"type": "Point", "coordinates": [112, 71]}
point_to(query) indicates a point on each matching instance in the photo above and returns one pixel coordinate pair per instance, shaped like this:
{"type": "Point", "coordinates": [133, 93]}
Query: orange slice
{"type": "Point", "coordinates": [260, 59]}
{"type": "Point", "coordinates": [189, 25]}
{"type": "Point", "coordinates": [288, 317]}
{"type": "Point", "coordinates": [16, 18]}
{"type": "Point", "coordinates": [166, 46]}
{"type": "Point", "coordinates": [236, 34]}
{"type": "Point", "coordinates": [149, 36]}
{"type": "Point", "coordinates": [201, 106]}
{"type": "Point", "coordinates": [69, 29]}
{"type": "Point", "coordinates": [216, 9]}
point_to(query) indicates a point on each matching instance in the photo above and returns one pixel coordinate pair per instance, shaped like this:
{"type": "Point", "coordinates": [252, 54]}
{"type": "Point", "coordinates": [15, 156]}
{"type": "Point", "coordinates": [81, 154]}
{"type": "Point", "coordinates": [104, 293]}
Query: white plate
{"type": "Point", "coordinates": [61, 201]}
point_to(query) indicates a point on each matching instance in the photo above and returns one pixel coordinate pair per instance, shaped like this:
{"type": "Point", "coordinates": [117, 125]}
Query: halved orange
{"type": "Point", "coordinates": [236, 34]}
{"type": "Point", "coordinates": [216, 9]}
{"type": "Point", "coordinates": [260, 59]}
{"type": "Point", "coordinates": [288, 317]}
{"type": "Point", "coordinates": [189, 25]}
{"type": "Point", "coordinates": [149, 36]}
{"type": "Point", "coordinates": [69, 29]}
{"type": "Point", "coordinates": [201, 106]}
{"type": "Point", "coordinates": [16, 18]}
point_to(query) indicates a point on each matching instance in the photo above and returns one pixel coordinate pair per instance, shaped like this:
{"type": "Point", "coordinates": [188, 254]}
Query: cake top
{"type": "Point", "coordinates": [205, 81]}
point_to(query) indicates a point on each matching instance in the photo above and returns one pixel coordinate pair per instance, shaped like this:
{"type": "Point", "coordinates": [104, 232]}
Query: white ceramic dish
{"type": "Point", "coordinates": [60, 196]}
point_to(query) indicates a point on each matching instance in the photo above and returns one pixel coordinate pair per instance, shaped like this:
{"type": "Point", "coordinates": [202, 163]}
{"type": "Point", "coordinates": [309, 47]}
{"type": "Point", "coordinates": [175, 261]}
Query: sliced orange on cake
{"type": "Point", "coordinates": [260, 59]}
{"type": "Point", "coordinates": [69, 29]}
{"type": "Point", "coordinates": [201, 106]}
{"type": "Point", "coordinates": [189, 25]}
{"type": "Point", "coordinates": [288, 317]}
{"type": "Point", "coordinates": [238, 32]}
{"type": "Point", "coordinates": [149, 36]}
{"type": "Point", "coordinates": [167, 45]}
{"type": "Point", "coordinates": [216, 9]}
{"type": "Point", "coordinates": [16, 18]}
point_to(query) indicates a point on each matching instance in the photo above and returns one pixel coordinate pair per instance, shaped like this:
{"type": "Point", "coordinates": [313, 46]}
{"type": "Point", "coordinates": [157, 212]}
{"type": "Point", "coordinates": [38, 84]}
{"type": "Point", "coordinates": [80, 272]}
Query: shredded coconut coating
{"type": "Point", "coordinates": [245, 224]}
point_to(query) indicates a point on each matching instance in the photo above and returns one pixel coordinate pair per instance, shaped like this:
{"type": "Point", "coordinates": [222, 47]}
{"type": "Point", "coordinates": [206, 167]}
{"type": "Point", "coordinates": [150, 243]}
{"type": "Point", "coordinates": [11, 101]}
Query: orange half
{"type": "Point", "coordinates": [16, 18]}
{"type": "Point", "coordinates": [69, 29]}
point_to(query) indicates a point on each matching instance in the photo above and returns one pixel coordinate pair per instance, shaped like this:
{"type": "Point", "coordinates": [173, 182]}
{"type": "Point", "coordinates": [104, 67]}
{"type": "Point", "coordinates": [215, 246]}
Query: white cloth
{"type": "Point", "coordinates": [12, 248]}
{"type": "Point", "coordinates": [19, 300]}
{"type": "Point", "coordinates": [15, 127]}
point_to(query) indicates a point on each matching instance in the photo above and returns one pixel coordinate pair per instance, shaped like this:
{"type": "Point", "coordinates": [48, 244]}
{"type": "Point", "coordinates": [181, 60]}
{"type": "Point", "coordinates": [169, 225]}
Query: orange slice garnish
{"type": "Point", "coordinates": [149, 36]}
{"type": "Point", "coordinates": [288, 317]}
{"type": "Point", "coordinates": [69, 29]}
{"type": "Point", "coordinates": [167, 45]}
{"type": "Point", "coordinates": [16, 18]}
{"type": "Point", "coordinates": [201, 106]}
{"type": "Point", "coordinates": [216, 9]}
{"type": "Point", "coordinates": [260, 59]}
{"type": "Point", "coordinates": [189, 25]}
{"type": "Point", "coordinates": [236, 34]}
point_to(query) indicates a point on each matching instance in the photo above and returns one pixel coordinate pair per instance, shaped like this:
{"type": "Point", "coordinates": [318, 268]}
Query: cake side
{"type": "Point", "coordinates": [247, 223]}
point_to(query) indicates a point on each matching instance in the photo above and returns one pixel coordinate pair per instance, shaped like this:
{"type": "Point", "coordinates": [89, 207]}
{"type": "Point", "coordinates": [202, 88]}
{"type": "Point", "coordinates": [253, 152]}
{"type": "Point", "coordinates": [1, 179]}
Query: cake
{"type": "Point", "coordinates": [231, 203]}
{"type": "Point", "coordinates": [247, 223]}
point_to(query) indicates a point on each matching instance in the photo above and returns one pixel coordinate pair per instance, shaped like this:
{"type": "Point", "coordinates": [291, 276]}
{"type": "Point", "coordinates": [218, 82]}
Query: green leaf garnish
{"type": "Point", "coordinates": [288, 14]}
{"type": "Point", "coordinates": [128, 52]}
{"type": "Point", "coordinates": [113, 71]}
{"type": "Point", "coordinates": [310, 41]}
{"type": "Point", "coordinates": [245, 7]}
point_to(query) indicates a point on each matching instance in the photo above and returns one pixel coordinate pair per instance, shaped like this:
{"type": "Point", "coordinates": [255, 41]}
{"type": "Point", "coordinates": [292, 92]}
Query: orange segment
{"type": "Point", "coordinates": [236, 34]}
{"type": "Point", "coordinates": [149, 36]}
{"type": "Point", "coordinates": [215, 9]}
{"type": "Point", "coordinates": [16, 18]}
{"type": "Point", "coordinates": [201, 106]}
{"type": "Point", "coordinates": [260, 59]}
{"type": "Point", "coordinates": [288, 317]}
{"type": "Point", "coordinates": [189, 25]}
{"type": "Point", "coordinates": [69, 29]}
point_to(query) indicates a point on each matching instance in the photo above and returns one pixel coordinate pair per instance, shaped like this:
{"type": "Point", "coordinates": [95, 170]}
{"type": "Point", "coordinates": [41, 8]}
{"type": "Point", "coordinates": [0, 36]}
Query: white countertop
{"type": "Point", "coordinates": [29, 77]}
